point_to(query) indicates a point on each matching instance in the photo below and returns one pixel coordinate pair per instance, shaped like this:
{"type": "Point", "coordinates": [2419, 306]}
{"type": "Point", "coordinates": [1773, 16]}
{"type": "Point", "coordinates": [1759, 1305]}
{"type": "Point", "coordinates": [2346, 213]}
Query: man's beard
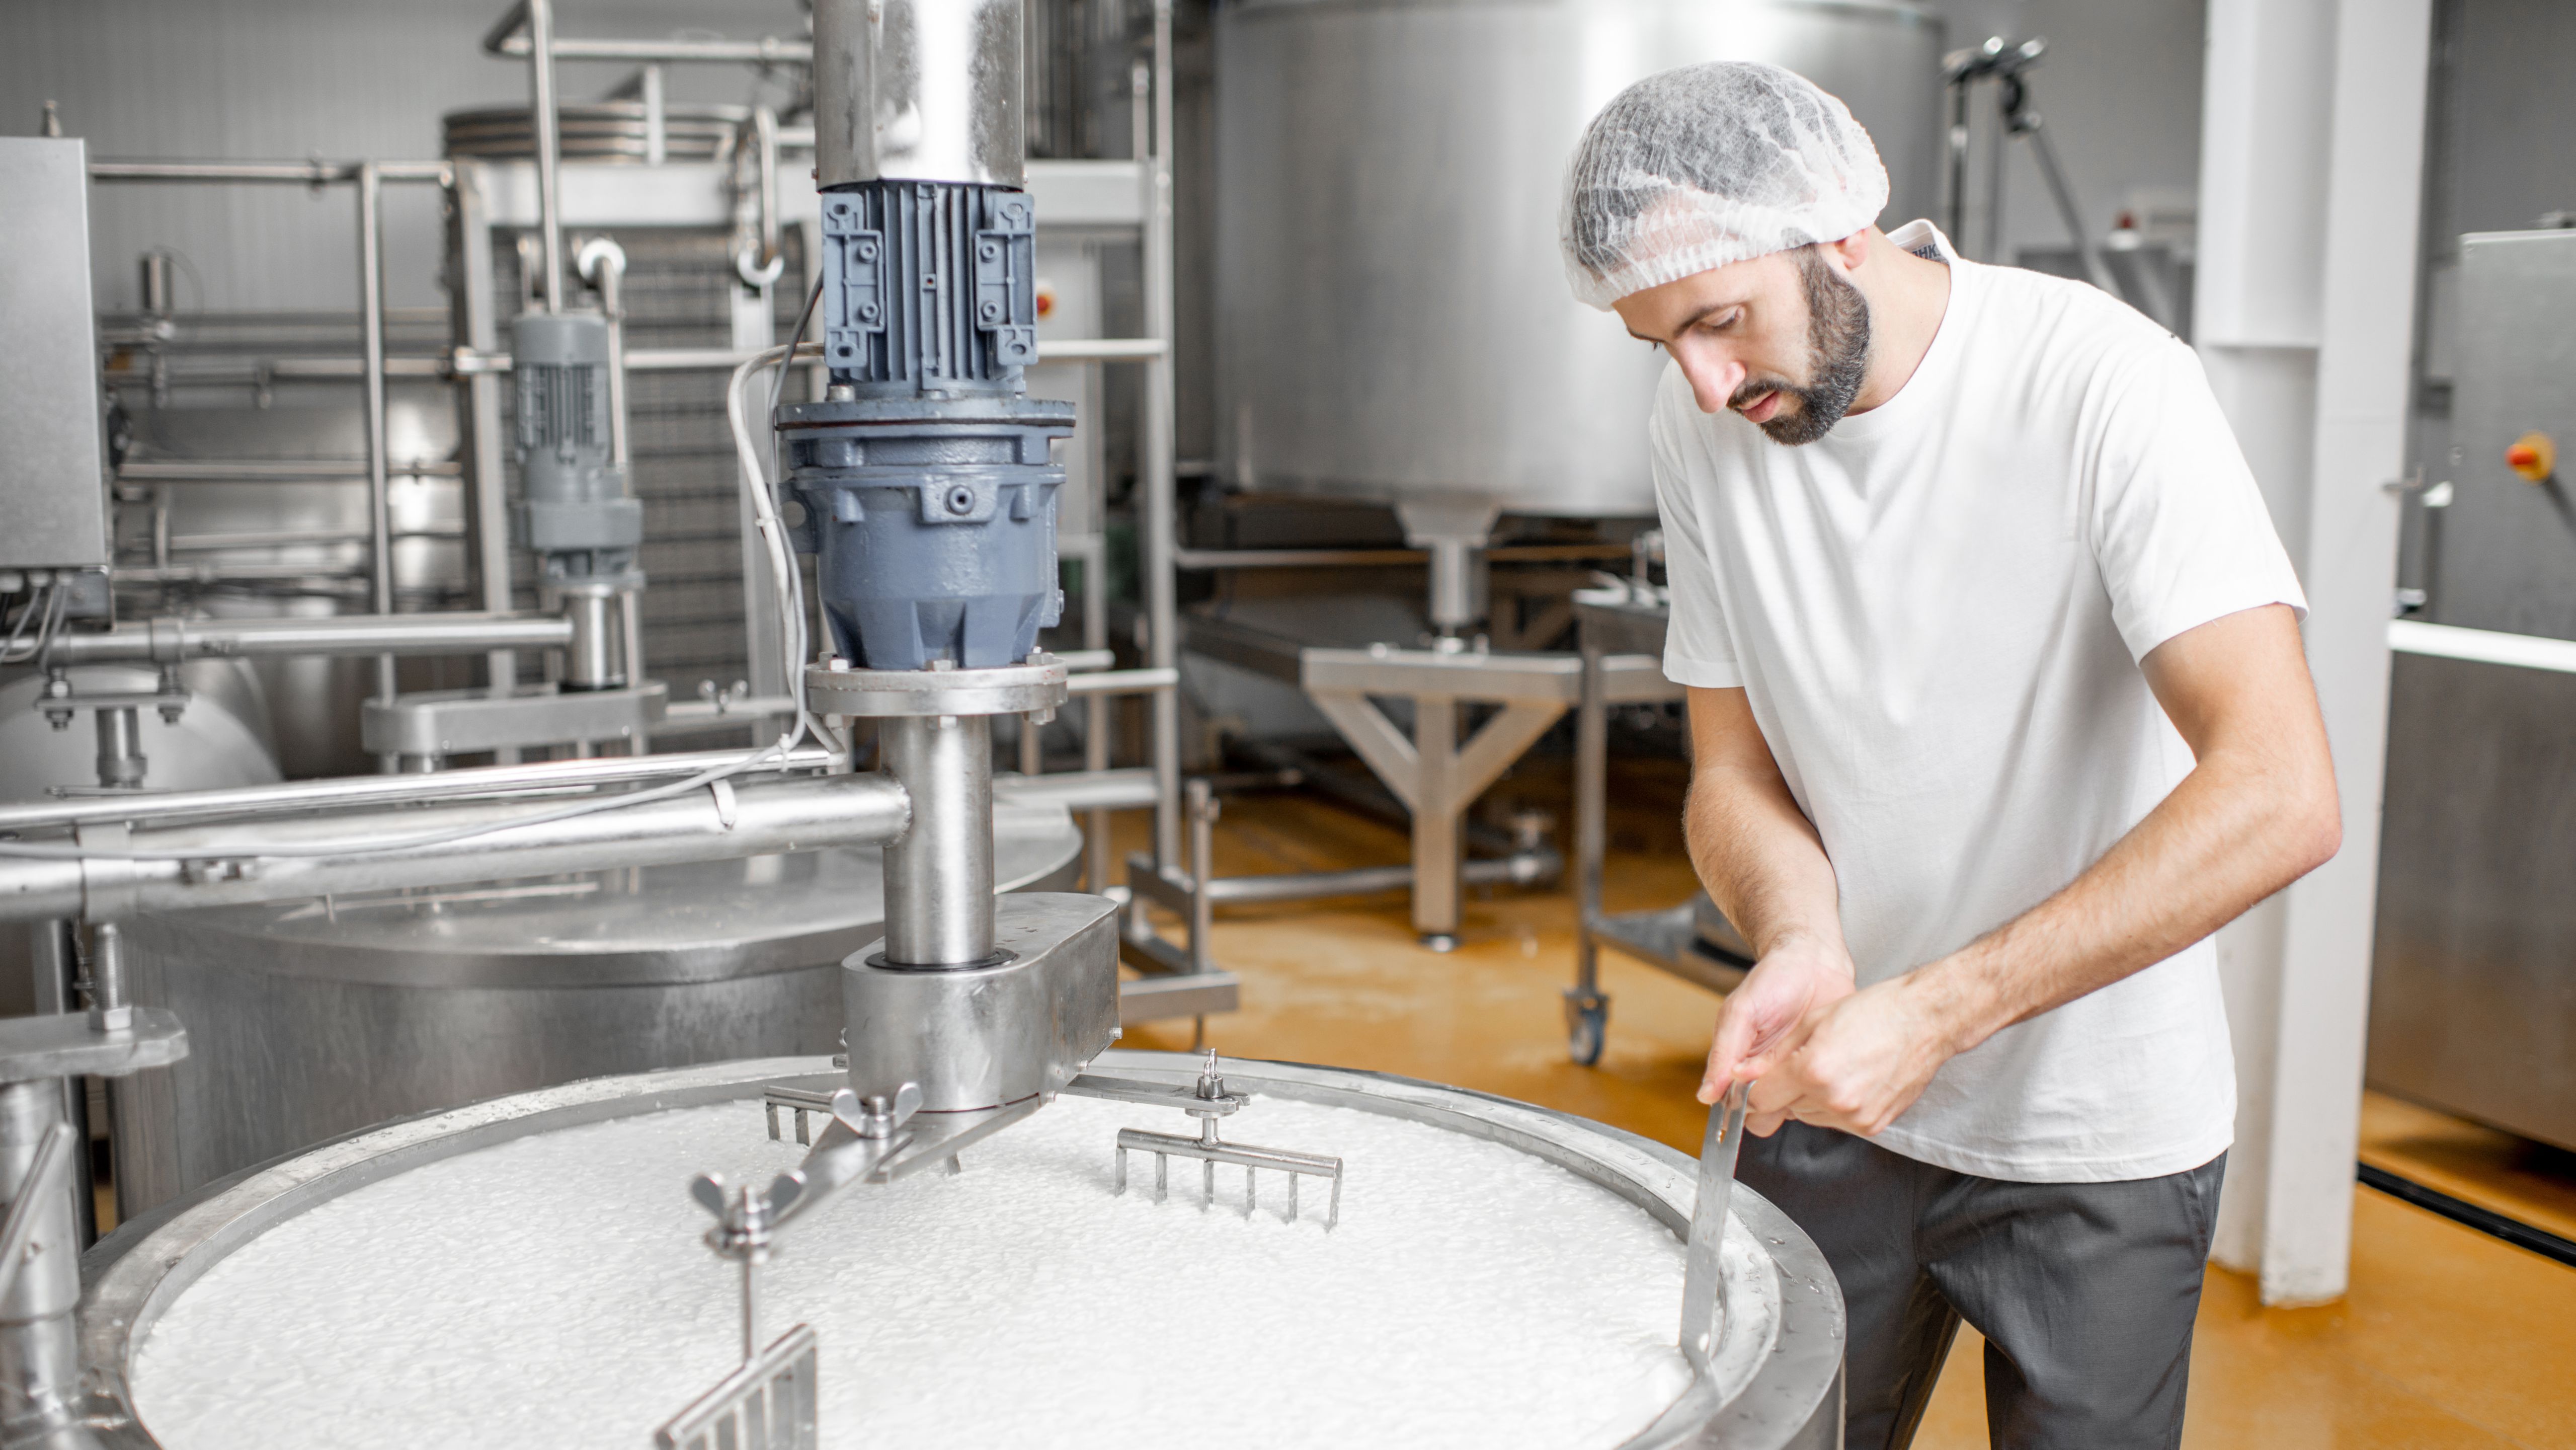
{"type": "Point", "coordinates": [1837, 340]}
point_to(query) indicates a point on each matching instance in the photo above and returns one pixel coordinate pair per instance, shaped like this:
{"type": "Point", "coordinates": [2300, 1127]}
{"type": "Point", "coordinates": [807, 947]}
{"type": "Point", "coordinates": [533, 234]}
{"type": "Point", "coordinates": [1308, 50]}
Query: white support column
{"type": "Point", "coordinates": [2311, 155]}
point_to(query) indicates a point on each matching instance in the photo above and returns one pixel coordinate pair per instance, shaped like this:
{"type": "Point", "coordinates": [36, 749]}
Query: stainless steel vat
{"type": "Point", "coordinates": [314, 1018]}
{"type": "Point", "coordinates": [1777, 1377]}
{"type": "Point", "coordinates": [222, 739]}
{"type": "Point", "coordinates": [1392, 318]}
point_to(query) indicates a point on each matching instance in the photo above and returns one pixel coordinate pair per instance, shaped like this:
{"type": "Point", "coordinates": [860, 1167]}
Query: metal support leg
{"type": "Point", "coordinates": [1436, 805]}
{"type": "Point", "coordinates": [1437, 778]}
{"type": "Point", "coordinates": [1586, 1009]}
{"type": "Point", "coordinates": [39, 1346]}
{"type": "Point", "coordinates": [56, 964]}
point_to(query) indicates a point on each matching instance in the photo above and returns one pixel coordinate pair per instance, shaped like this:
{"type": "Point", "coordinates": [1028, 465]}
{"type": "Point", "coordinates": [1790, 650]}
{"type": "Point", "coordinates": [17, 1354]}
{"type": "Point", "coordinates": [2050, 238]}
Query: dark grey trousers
{"type": "Point", "coordinates": [2085, 1292]}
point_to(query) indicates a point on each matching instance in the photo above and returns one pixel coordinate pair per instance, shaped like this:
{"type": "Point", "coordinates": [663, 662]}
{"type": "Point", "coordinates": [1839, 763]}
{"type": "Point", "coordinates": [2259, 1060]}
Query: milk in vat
{"type": "Point", "coordinates": [551, 1284]}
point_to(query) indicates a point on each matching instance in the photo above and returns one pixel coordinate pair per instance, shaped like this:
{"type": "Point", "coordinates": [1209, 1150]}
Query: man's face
{"type": "Point", "coordinates": [1782, 339]}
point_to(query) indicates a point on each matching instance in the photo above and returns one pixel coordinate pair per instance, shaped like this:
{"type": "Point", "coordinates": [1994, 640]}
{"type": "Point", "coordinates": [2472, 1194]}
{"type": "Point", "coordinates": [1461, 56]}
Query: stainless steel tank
{"type": "Point", "coordinates": [1392, 317]}
{"type": "Point", "coordinates": [1775, 1381]}
{"type": "Point", "coordinates": [223, 738]}
{"type": "Point", "coordinates": [310, 1019]}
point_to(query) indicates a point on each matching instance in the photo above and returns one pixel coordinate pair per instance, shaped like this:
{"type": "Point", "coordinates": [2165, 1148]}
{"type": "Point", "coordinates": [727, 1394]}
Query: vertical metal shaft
{"type": "Point", "coordinates": [939, 875]}
{"type": "Point", "coordinates": [1202, 809]}
{"type": "Point", "coordinates": [1095, 720]}
{"type": "Point", "coordinates": [39, 1347]}
{"type": "Point", "coordinates": [111, 1007]}
{"type": "Point", "coordinates": [591, 661]}
{"type": "Point", "coordinates": [120, 748]}
{"type": "Point", "coordinates": [541, 111]}
{"type": "Point", "coordinates": [55, 962]}
{"type": "Point", "coordinates": [371, 320]}
{"type": "Point", "coordinates": [1591, 812]}
{"type": "Point", "coordinates": [657, 144]}
{"type": "Point", "coordinates": [1157, 502]}
{"type": "Point", "coordinates": [1436, 828]}
{"type": "Point", "coordinates": [610, 265]}
{"type": "Point", "coordinates": [2068, 213]}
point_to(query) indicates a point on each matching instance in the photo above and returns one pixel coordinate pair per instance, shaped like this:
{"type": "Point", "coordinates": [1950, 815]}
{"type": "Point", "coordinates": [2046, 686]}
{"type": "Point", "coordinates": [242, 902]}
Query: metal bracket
{"type": "Point", "coordinates": [64, 1044]}
{"type": "Point", "coordinates": [856, 263]}
{"type": "Point", "coordinates": [464, 722]}
{"type": "Point", "coordinates": [1005, 280]}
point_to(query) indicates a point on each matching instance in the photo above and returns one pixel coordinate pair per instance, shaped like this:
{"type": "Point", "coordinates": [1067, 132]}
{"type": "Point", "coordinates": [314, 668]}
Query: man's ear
{"type": "Point", "coordinates": [1852, 250]}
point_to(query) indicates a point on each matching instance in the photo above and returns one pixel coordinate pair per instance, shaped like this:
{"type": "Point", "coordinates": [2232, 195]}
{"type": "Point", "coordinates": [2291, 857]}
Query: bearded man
{"type": "Point", "coordinates": [1997, 711]}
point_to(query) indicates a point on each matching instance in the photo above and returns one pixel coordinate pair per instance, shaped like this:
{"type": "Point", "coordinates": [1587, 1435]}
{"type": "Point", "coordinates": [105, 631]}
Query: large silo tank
{"type": "Point", "coordinates": [1392, 317]}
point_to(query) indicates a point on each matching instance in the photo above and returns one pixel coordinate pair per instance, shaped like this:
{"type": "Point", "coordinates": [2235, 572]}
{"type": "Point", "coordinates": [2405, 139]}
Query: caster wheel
{"type": "Point", "coordinates": [1587, 1027]}
{"type": "Point", "coordinates": [1440, 941]}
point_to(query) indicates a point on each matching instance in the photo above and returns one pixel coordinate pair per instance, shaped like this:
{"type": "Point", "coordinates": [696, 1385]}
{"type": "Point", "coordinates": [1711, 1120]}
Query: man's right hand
{"type": "Point", "coordinates": [1765, 1018]}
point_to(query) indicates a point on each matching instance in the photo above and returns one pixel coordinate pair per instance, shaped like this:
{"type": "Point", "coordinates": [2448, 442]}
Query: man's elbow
{"type": "Point", "coordinates": [2311, 826]}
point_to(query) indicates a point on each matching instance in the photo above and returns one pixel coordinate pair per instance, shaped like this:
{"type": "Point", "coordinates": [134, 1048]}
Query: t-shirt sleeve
{"type": "Point", "coordinates": [1697, 648]}
{"type": "Point", "coordinates": [2180, 531]}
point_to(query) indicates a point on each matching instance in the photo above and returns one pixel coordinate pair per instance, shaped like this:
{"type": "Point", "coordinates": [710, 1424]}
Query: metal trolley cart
{"type": "Point", "coordinates": [1617, 623]}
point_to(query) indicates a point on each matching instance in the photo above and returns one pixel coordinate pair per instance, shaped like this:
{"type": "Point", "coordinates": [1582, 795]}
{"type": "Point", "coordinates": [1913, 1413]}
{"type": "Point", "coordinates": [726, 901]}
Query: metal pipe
{"type": "Point", "coordinates": [39, 1351]}
{"type": "Point", "coordinates": [510, 37]}
{"type": "Point", "coordinates": [110, 1006]}
{"type": "Point", "coordinates": [2063, 194]}
{"type": "Point", "coordinates": [120, 748]}
{"type": "Point", "coordinates": [591, 660]}
{"type": "Point", "coordinates": [56, 963]}
{"type": "Point", "coordinates": [268, 470]}
{"type": "Point", "coordinates": [169, 641]}
{"type": "Point", "coordinates": [1095, 721]}
{"type": "Point", "coordinates": [541, 110]}
{"type": "Point", "coordinates": [1521, 868]}
{"type": "Point", "coordinates": [371, 314]}
{"type": "Point", "coordinates": [657, 136]}
{"type": "Point", "coordinates": [1123, 682]}
{"type": "Point", "coordinates": [297, 173]}
{"type": "Point", "coordinates": [1078, 790]}
{"type": "Point", "coordinates": [723, 822]}
{"type": "Point", "coordinates": [603, 264]}
{"type": "Point", "coordinates": [939, 875]}
{"type": "Point", "coordinates": [465, 362]}
{"type": "Point", "coordinates": [301, 796]}
{"type": "Point", "coordinates": [1161, 605]}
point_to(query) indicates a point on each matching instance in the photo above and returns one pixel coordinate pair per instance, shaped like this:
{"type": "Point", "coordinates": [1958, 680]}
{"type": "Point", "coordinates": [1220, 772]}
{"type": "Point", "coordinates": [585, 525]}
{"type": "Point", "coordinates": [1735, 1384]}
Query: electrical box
{"type": "Point", "coordinates": [53, 486]}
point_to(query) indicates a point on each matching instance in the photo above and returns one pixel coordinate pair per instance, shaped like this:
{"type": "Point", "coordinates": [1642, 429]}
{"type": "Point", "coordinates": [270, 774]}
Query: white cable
{"type": "Point", "coordinates": [787, 583]}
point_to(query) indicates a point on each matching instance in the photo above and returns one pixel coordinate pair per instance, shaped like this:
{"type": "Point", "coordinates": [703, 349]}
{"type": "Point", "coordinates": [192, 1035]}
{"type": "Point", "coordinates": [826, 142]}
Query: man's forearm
{"type": "Point", "coordinates": [1760, 858]}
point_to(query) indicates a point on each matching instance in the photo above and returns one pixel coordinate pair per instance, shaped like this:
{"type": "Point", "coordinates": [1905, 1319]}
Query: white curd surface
{"type": "Point", "coordinates": [553, 1291]}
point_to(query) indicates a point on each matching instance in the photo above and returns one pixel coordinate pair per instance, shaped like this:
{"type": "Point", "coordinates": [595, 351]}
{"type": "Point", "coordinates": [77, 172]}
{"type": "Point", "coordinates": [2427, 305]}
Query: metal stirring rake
{"type": "Point", "coordinates": [1208, 1102]}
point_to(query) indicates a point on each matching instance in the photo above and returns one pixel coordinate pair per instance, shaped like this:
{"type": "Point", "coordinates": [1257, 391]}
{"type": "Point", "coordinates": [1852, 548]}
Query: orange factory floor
{"type": "Point", "coordinates": [2449, 1338]}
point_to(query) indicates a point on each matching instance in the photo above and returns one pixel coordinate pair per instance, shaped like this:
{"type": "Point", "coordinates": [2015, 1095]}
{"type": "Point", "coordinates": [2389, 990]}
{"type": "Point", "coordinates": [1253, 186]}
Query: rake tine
{"type": "Point", "coordinates": [1121, 1189]}
{"type": "Point", "coordinates": [1207, 1191]}
{"type": "Point", "coordinates": [804, 1128]}
{"type": "Point", "coordinates": [1333, 1215]}
{"type": "Point", "coordinates": [1292, 1196]}
{"type": "Point", "coordinates": [1251, 1190]}
{"type": "Point", "coordinates": [772, 1110]}
{"type": "Point", "coordinates": [1162, 1177]}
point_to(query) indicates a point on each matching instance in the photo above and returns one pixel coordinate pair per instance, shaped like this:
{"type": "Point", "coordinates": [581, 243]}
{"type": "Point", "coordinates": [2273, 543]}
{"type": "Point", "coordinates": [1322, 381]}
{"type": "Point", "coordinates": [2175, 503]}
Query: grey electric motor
{"type": "Point", "coordinates": [574, 510]}
{"type": "Point", "coordinates": [925, 475]}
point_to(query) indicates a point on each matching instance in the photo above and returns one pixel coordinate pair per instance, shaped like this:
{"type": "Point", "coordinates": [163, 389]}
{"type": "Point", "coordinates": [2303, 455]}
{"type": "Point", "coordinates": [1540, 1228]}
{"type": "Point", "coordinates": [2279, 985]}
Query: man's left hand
{"type": "Point", "coordinates": [1865, 1060]}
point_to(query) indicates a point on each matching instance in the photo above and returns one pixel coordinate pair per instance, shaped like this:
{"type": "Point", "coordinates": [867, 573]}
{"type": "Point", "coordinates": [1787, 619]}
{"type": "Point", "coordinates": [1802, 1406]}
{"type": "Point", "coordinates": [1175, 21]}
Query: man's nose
{"type": "Point", "coordinates": [1713, 381]}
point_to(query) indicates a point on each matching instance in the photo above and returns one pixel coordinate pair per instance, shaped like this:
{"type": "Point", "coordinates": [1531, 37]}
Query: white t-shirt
{"type": "Point", "coordinates": [1936, 612]}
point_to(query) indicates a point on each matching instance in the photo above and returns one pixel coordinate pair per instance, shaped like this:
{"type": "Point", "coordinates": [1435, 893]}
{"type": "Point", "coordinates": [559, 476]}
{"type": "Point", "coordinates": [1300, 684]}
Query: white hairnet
{"type": "Point", "coordinates": [1711, 164]}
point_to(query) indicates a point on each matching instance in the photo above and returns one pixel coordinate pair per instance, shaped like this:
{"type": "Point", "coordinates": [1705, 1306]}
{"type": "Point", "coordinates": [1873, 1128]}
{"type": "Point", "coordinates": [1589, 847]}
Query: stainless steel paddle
{"type": "Point", "coordinates": [1703, 1286]}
